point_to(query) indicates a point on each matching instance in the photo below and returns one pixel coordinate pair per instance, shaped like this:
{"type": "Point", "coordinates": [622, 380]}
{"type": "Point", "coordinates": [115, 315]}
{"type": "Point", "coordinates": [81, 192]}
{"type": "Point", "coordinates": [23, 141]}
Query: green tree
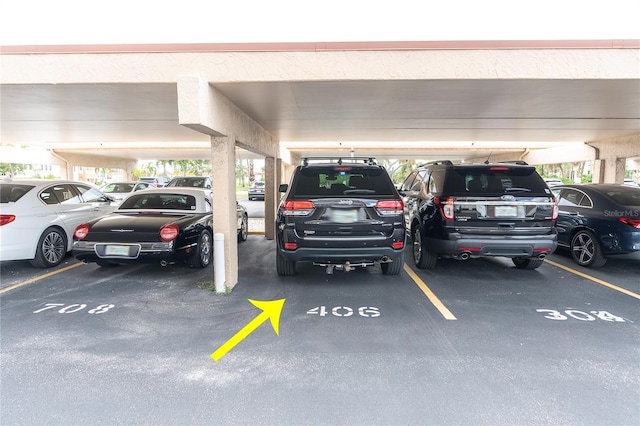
{"type": "Point", "coordinates": [12, 168]}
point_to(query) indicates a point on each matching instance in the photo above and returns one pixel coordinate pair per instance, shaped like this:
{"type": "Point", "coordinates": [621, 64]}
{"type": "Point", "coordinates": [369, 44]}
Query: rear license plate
{"type": "Point", "coordinates": [506, 211]}
{"type": "Point", "coordinates": [344, 215]}
{"type": "Point", "coordinates": [116, 250]}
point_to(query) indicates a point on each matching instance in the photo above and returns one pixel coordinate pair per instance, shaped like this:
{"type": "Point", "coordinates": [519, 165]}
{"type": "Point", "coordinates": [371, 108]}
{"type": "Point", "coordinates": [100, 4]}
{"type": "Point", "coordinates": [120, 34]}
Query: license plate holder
{"type": "Point", "coordinates": [344, 215]}
{"type": "Point", "coordinates": [505, 211]}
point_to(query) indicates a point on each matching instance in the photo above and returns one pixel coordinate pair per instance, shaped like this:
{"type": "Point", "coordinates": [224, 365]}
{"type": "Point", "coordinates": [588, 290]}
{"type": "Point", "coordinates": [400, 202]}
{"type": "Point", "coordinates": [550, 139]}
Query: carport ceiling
{"type": "Point", "coordinates": [393, 119]}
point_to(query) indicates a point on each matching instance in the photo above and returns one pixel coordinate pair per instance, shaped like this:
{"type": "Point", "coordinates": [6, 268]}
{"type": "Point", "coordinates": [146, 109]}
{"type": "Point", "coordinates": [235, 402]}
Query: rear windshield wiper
{"type": "Point", "coordinates": [358, 191]}
{"type": "Point", "coordinates": [517, 189]}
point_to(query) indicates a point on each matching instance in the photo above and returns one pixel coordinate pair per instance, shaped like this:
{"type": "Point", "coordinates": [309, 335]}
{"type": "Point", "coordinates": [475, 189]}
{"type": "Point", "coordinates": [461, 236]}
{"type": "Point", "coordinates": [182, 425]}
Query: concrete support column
{"type": "Point", "coordinates": [612, 155]}
{"type": "Point", "coordinates": [613, 170]}
{"type": "Point", "coordinates": [270, 185]}
{"type": "Point", "coordinates": [223, 160]}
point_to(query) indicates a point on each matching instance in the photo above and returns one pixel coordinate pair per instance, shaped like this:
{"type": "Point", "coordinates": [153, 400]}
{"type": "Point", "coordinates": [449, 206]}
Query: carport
{"type": "Point", "coordinates": [537, 101]}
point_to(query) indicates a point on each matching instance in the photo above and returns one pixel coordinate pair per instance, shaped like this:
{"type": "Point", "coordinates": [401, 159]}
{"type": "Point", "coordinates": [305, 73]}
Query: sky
{"type": "Point", "coordinates": [51, 22]}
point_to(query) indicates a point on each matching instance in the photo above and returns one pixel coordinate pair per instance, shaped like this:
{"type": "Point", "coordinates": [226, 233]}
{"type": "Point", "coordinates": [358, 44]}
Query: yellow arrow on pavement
{"type": "Point", "coordinates": [271, 309]}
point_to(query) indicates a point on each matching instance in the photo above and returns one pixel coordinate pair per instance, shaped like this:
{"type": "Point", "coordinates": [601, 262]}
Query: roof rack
{"type": "Point", "coordinates": [339, 160]}
{"type": "Point", "coordinates": [437, 163]}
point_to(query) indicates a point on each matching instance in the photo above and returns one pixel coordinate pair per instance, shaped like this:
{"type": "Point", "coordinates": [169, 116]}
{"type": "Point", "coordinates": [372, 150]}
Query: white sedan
{"type": "Point", "coordinates": [38, 217]}
{"type": "Point", "coordinates": [121, 190]}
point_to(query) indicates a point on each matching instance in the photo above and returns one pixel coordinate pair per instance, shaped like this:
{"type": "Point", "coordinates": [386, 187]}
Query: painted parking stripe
{"type": "Point", "coordinates": [594, 279]}
{"type": "Point", "coordinates": [430, 295]}
{"type": "Point", "coordinates": [39, 277]}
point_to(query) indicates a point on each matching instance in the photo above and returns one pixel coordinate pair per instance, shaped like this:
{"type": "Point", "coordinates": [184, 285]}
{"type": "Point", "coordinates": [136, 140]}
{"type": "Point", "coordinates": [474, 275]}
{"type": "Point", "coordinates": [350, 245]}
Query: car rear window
{"type": "Point", "coordinates": [343, 180]}
{"type": "Point", "coordinates": [625, 196]}
{"type": "Point", "coordinates": [496, 180]}
{"type": "Point", "coordinates": [10, 192]}
{"type": "Point", "coordinates": [159, 202]}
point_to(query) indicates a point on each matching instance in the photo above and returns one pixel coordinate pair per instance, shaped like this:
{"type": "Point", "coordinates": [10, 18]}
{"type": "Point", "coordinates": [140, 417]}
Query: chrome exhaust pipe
{"type": "Point", "coordinates": [541, 256]}
{"type": "Point", "coordinates": [464, 255]}
{"type": "Point", "coordinates": [163, 263]}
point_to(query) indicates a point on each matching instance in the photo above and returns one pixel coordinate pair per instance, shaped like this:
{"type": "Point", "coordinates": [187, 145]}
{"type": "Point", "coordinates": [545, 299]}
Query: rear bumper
{"type": "Point", "coordinates": [492, 246]}
{"type": "Point", "coordinates": [155, 252]}
{"type": "Point", "coordinates": [341, 255]}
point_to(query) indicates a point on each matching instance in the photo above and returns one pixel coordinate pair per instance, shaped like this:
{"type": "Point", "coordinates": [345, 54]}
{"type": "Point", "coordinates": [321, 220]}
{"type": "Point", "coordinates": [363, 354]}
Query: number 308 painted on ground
{"type": "Point", "coordinates": [70, 309]}
{"type": "Point", "coordinates": [345, 311]}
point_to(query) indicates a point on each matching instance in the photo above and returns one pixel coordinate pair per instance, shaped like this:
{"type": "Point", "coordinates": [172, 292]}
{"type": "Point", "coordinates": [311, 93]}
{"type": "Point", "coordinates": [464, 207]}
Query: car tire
{"type": "Point", "coordinates": [586, 250]}
{"type": "Point", "coordinates": [393, 268]}
{"type": "Point", "coordinates": [244, 229]}
{"type": "Point", "coordinates": [201, 258]}
{"type": "Point", "coordinates": [423, 258]}
{"type": "Point", "coordinates": [527, 262]}
{"type": "Point", "coordinates": [51, 249]}
{"type": "Point", "coordinates": [284, 266]}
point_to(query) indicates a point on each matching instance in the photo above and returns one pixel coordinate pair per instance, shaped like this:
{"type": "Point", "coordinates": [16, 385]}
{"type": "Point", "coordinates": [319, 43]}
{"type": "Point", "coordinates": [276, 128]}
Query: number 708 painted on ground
{"type": "Point", "coordinates": [70, 309]}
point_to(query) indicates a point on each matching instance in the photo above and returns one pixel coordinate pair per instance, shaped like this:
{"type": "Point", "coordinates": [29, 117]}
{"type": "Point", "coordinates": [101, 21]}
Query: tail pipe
{"type": "Point", "coordinates": [465, 255]}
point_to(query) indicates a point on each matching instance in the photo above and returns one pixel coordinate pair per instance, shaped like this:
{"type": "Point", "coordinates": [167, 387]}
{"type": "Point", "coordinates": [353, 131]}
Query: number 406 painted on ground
{"type": "Point", "coordinates": [345, 311]}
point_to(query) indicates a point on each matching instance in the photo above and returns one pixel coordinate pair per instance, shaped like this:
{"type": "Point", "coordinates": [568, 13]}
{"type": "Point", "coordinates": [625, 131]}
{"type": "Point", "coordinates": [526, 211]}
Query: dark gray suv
{"type": "Point", "coordinates": [477, 210]}
{"type": "Point", "coordinates": [340, 214]}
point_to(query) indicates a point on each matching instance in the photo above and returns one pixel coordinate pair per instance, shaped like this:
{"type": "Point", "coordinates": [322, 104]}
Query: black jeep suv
{"type": "Point", "coordinates": [340, 214]}
{"type": "Point", "coordinates": [474, 210]}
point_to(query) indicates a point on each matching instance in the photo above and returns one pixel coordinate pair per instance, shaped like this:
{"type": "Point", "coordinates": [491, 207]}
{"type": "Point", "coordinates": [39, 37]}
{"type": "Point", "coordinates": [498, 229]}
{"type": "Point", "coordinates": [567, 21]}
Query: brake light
{"type": "Point", "coordinates": [6, 218]}
{"type": "Point", "coordinates": [446, 207]}
{"type": "Point", "coordinates": [81, 231]}
{"type": "Point", "coordinates": [169, 232]}
{"type": "Point", "coordinates": [397, 244]}
{"type": "Point", "coordinates": [291, 246]}
{"type": "Point", "coordinates": [297, 207]}
{"type": "Point", "coordinates": [389, 207]}
{"type": "Point", "coordinates": [499, 168]}
{"type": "Point", "coordinates": [631, 222]}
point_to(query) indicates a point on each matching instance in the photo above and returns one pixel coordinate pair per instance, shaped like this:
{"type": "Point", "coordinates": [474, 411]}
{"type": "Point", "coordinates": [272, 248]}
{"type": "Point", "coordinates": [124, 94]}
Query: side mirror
{"type": "Point", "coordinates": [283, 187]}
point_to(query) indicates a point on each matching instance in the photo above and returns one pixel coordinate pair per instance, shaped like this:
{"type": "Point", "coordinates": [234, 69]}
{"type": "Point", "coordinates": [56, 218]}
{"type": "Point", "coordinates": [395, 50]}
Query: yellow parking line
{"type": "Point", "coordinates": [39, 277]}
{"type": "Point", "coordinates": [594, 279]}
{"type": "Point", "coordinates": [427, 291]}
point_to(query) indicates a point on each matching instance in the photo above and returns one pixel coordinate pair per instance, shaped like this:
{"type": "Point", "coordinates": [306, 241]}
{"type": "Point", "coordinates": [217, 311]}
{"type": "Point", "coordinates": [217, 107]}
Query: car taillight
{"type": "Point", "coordinates": [389, 207]}
{"type": "Point", "coordinates": [631, 222]}
{"type": "Point", "coordinates": [169, 232]}
{"type": "Point", "coordinates": [446, 207]}
{"type": "Point", "coordinates": [81, 231]}
{"type": "Point", "coordinates": [297, 207]}
{"type": "Point", "coordinates": [554, 211]}
{"type": "Point", "coordinates": [6, 218]}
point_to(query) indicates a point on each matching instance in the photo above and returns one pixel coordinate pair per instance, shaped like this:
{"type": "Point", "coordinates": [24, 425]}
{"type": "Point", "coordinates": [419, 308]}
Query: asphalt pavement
{"type": "Point", "coordinates": [476, 342]}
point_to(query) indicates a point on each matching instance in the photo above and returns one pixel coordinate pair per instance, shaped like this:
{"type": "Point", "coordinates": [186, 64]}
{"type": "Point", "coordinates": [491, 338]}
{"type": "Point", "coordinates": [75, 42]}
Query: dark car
{"type": "Point", "coordinates": [164, 225]}
{"type": "Point", "coordinates": [598, 220]}
{"type": "Point", "coordinates": [256, 191]}
{"type": "Point", "coordinates": [340, 215]}
{"type": "Point", "coordinates": [479, 210]}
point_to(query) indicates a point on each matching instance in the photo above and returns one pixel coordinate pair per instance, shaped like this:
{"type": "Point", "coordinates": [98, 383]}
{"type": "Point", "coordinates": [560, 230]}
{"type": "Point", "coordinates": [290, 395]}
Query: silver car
{"type": "Point", "coordinates": [38, 217]}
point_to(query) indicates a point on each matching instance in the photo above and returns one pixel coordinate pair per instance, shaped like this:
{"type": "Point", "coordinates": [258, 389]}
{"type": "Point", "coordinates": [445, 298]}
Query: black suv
{"type": "Point", "coordinates": [477, 210]}
{"type": "Point", "coordinates": [340, 214]}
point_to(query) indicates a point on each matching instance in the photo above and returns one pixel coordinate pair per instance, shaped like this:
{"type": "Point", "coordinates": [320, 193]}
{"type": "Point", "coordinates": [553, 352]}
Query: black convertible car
{"type": "Point", "coordinates": [164, 225]}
